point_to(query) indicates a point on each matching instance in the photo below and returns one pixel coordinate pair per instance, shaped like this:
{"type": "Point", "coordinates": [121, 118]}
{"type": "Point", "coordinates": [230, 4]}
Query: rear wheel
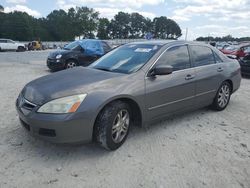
{"type": "Point", "coordinates": [70, 64]}
{"type": "Point", "coordinates": [222, 97]}
{"type": "Point", "coordinates": [20, 49]}
{"type": "Point", "coordinates": [112, 125]}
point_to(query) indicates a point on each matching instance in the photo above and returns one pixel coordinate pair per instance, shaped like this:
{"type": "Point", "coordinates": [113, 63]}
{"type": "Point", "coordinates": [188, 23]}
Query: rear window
{"type": "Point", "coordinates": [202, 55]}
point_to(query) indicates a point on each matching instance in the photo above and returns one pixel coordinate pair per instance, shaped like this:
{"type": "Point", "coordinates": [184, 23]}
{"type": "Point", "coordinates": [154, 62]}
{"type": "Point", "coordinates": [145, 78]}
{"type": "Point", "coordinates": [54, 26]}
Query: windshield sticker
{"type": "Point", "coordinates": [143, 50]}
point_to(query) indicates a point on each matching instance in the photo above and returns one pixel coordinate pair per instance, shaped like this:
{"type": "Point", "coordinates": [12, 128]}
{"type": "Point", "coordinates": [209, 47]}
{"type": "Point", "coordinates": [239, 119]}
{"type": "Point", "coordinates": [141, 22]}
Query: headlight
{"type": "Point", "coordinates": [63, 105]}
{"type": "Point", "coordinates": [58, 56]}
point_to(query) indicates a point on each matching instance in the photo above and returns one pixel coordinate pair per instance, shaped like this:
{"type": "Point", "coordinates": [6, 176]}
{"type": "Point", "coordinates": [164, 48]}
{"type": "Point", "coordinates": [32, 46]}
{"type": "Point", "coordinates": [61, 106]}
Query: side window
{"type": "Point", "coordinates": [177, 56]}
{"type": "Point", "coordinates": [3, 41]}
{"type": "Point", "coordinates": [106, 47]}
{"type": "Point", "coordinates": [202, 55]}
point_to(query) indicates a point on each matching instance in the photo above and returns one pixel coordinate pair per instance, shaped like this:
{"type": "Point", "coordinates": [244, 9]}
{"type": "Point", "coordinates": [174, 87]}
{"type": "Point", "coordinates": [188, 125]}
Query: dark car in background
{"type": "Point", "coordinates": [245, 65]}
{"type": "Point", "coordinates": [137, 83]}
{"type": "Point", "coordinates": [78, 53]}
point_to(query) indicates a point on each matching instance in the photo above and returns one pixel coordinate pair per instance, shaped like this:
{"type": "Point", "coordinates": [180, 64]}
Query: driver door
{"type": "Point", "coordinates": [167, 94]}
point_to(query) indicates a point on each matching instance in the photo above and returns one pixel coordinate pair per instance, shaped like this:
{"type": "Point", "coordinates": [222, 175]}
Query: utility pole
{"type": "Point", "coordinates": [186, 33]}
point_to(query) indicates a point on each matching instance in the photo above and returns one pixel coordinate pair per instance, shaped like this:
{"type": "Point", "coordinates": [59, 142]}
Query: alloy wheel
{"type": "Point", "coordinates": [120, 126]}
{"type": "Point", "coordinates": [71, 65]}
{"type": "Point", "coordinates": [223, 96]}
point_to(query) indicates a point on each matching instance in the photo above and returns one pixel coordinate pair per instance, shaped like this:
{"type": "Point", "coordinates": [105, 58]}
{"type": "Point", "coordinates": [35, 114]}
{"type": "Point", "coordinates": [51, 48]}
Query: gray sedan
{"type": "Point", "coordinates": [135, 84]}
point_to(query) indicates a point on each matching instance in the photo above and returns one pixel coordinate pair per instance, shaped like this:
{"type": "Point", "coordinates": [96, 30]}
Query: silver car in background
{"type": "Point", "coordinates": [137, 83]}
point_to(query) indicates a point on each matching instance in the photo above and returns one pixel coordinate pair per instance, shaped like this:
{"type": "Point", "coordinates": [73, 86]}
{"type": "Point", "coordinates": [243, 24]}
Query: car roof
{"type": "Point", "coordinates": [90, 40]}
{"type": "Point", "coordinates": [170, 42]}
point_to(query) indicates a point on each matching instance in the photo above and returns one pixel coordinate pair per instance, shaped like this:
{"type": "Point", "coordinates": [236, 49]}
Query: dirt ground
{"type": "Point", "coordinates": [198, 149]}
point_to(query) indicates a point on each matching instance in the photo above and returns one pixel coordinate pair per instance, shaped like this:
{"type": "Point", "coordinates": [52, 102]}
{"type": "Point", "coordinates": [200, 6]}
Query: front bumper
{"type": "Point", "coordinates": [57, 128]}
{"type": "Point", "coordinates": [55, 64]}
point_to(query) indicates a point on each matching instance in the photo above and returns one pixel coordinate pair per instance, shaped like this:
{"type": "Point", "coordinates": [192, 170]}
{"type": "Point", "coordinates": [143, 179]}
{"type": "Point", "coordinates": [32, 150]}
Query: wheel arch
{"type": "Point", "coordinates": [71, 59]}
{"type": "Point", "coordinates": [135, 109]}
{"type": "Point", "coordinates": [230, 83]}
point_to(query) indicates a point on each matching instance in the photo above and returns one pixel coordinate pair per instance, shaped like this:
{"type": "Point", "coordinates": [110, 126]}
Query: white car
{"type": "Point", "coordinates": [7, 44]}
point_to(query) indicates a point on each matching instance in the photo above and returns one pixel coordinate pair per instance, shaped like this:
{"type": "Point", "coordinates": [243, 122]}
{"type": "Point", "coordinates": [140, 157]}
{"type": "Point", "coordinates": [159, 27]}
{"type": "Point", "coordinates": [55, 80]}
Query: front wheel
{"type": "Point", "coordinates": [112, 125]}
{"type": "Point", "coordinates": [20, 49]}
{"type": "Point", "coordinates": [222, 97]}
{"type": "Point", "coordinates": [70, 64]}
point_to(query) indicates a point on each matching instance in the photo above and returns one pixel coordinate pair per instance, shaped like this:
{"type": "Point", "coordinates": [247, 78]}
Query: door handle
{"type": "Point", "coordinates": [190, 77]}
{"type": "Point", "coordinates": [220, 69]}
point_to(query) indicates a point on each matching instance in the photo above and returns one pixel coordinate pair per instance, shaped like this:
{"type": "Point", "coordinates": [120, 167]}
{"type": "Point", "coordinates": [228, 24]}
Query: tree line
{"type": "Point", "coordinates": [223, 39]}
{"type": "Point", "coordinates": [84, 22]}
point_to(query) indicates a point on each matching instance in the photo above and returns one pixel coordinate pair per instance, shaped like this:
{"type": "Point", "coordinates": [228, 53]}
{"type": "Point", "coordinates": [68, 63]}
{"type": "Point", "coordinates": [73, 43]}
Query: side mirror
{"type": "Point", "coordinates": [161, 70]}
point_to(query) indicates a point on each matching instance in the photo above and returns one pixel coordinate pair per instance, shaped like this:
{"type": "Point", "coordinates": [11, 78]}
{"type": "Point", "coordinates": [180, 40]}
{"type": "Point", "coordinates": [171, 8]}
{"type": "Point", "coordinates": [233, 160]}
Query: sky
{"type": "Point", "coordinates": [201, 17]}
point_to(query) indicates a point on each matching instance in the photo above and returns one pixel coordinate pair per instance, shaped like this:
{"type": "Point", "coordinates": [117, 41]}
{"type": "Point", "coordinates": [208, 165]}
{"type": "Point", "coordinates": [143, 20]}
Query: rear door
{"type": "Point", "coordinates": [208, 70]}
{"type": "Point", "coordinates": [167, 94]}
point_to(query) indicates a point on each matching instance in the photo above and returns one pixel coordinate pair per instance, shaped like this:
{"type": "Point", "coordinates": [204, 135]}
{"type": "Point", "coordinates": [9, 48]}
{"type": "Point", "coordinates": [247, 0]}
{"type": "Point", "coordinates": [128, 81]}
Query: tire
{"type": "Point", "coordinates": [71, 64]}
{"type": "Point", "coordinates": [222, 97]}
{"type": "Point", "coordinates": [20, 49]}
{"type": "Point", "coordinates": [112, 125]}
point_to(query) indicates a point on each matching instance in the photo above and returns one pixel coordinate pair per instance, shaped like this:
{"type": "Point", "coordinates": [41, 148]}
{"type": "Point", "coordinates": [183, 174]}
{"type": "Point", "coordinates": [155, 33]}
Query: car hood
{"type": "Point", "coordinates": [57, 52]}
{"type": "Point", "coordinates": [65, 83]}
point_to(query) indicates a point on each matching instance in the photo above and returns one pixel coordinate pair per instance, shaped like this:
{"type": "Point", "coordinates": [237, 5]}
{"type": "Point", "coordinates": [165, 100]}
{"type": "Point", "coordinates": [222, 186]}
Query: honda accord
{"type": "Point", "coordinates": [135, 84]}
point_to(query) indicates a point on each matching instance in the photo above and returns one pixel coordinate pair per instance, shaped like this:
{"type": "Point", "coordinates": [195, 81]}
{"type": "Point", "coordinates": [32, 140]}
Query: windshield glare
{"type": "Point", "coordinates": [231, 48]}
{"type": "Point", "coordinates": [72, 45]}
{"type": "Point", "coordinates": [126, 59]}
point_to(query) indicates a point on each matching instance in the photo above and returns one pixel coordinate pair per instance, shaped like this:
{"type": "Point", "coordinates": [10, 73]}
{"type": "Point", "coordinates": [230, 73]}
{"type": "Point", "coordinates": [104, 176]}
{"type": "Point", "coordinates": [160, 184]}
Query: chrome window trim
{"type": "Point", "coordinates": [186, 44]}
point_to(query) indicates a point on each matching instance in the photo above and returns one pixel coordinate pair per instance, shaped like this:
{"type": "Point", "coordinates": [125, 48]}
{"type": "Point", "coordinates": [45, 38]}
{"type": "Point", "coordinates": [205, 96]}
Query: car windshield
{"type": "Point", "coordinates": [126, 59]}
{"type": "Point", "coordinates": [71, 45]}
{"type": "Point", "coordinates": [232, 48]}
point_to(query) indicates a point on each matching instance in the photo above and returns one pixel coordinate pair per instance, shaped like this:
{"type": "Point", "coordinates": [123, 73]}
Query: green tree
{"type": "Point", "coordinates": [17, 26]}
{"type": "Point", "coordinates": [138, 25]}
{"type": "Point", "coordinates": [58, 24]}
{"type": "Point", "coordinates": [86, 22]}
{"type": "Point", "coordinates": [1, 8]}
{"type": "Point", "coordinates": [120, 26]}
{"type": "Point", "coordinates": [103, 26]}
{"type": "Point", "coordinates": [165, 28]}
